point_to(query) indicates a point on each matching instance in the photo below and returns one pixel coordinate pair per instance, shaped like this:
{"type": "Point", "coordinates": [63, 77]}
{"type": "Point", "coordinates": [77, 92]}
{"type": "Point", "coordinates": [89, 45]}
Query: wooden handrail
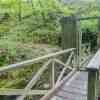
{"type": "Point", "coordinates": [64, 69]}
{"type": "Point", "coordinates": [17, 92]}
{"type": "Point", "coordinates": [35, 60]}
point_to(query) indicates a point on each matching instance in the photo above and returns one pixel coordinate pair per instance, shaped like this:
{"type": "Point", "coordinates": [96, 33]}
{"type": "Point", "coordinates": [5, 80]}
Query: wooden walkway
{"type": "Point", "coordinates": [74, 89]}
{"type": "Point", "coordinates": [78, 84]}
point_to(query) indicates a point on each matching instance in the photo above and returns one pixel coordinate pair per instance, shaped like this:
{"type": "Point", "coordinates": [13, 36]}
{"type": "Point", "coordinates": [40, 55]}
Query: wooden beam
{"type": "Point", "coordinates": [35, 79]}
{"type": "Point", "coordinates": [32, 61]}
{"type": "Point", "coordinates": [65, 68]}
{"type": "Point", "coordinates": [9, 92]}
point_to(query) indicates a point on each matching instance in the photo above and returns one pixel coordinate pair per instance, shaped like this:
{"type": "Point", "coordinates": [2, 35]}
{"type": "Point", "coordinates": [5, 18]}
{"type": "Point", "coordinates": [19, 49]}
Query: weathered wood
{"type": "Point", "coordinates": [64, 69]}
{"type": "Point", "coordinates": [88, 18]}
{"type": "Point", "coordinates": [85, 61]}
{"type": "Point", "coordinates": [35, 79]}
{"type": "Point", "coordinates": [98, 88]}
{"type": "Point", "coordinates": [9, 92]}
{"type": "Point", "coordinates": [92, 85]}
{"type": "Point", "coordinates": [69, 32]}
{"type": "Point", "coordinates": [70, 35]}
{"type": "Point", "coordinates": [94, 64]}
{"type": "Point", "coordinates": [75, 88]}
{"type": "Point", "coordinates": [52, 92]}
{"type": "Point", "coordinates": [93, 68]}
{"type": "Point", "coordinates": [98, 39]}
{"type": "Point", "coordinates": [63, 64]}
{"type": "Point", "coordinates": [32, 61]}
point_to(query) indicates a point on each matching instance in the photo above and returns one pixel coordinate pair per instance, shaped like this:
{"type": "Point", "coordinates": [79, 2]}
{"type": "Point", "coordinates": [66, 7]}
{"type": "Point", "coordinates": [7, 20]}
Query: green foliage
{"type": "Point", "coordinates": [24, 23]}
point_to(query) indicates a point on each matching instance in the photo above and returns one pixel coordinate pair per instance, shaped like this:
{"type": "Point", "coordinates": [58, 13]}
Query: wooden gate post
{"type": "Point", "coordinates": [70, 34]}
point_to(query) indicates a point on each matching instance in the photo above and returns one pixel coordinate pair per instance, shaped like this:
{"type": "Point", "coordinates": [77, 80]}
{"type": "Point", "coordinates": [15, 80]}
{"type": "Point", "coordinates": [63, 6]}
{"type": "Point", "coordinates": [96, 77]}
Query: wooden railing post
{"type": "Point", "coordinates": [93, 68]}
{"type": "Point", "coordinates": [92, 77]}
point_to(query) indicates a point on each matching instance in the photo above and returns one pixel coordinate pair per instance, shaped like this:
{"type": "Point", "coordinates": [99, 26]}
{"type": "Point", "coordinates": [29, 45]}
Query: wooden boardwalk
{"type": "Point", "coordinates": [74, 89]}
{"type": "Point", "coordinates": [78, 84]}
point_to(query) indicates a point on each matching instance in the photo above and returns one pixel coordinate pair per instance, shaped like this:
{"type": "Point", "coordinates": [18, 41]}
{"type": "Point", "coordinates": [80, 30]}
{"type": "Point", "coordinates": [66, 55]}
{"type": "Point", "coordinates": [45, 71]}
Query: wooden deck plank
{"type": "Point", "coordinates": [76, 90]}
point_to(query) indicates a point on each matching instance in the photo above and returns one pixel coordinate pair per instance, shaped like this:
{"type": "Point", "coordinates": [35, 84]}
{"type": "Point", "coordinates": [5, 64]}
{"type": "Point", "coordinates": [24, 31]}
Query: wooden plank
{"type": "Point", "coordinates": [32, 61]}
{"type": "Point", "coordinates": [71, 91]}
{"type": "Point", "coordinates": [95, 62]}
{"type": "Point", "coordinates": [71, 95]}
{"type": "Point", "coordinates": [74, 90]}
{"type": "Point", "coordinates": [9, 92]}
{"type": "Point", "coordinates": [58, 98]}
